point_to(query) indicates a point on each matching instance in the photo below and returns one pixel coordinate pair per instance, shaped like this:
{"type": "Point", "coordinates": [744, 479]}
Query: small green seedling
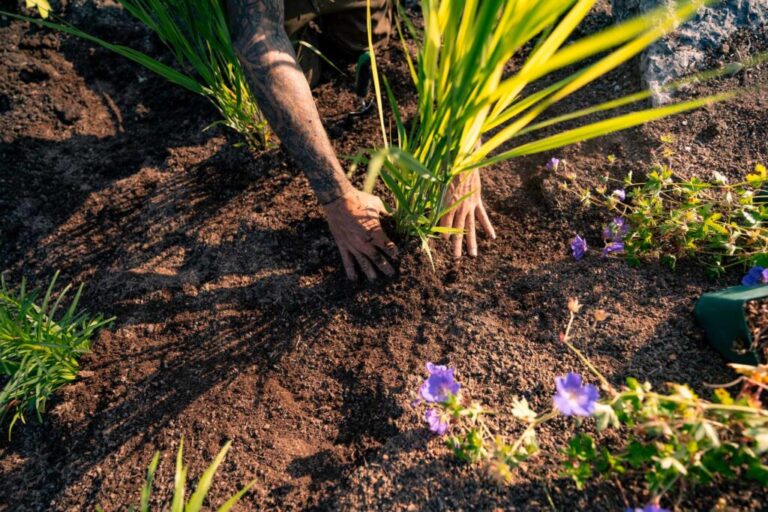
{"type": "Point", "coordinates": [195, 503]}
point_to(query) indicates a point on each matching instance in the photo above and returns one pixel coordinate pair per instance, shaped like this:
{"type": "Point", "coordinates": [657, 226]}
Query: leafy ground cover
{"type": "Point", "coordinates": [42, 336]}
{"type": "Point", "coordinates": [234, 321]}
{"type": "Point", "coordinates": [714, 222]}
{"type": "Point", "coordinates": [672, 441]}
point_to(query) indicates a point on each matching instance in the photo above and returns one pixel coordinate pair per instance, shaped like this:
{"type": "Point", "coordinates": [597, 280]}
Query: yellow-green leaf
{"type": "Point", "coordinates": [42, 6]}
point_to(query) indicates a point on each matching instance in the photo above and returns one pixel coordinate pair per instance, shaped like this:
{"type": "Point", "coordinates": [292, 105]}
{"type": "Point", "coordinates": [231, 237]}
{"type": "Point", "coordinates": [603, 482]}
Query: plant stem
{"type": "Point", "coordinates": [531, 427]}
{"type": "Point", "coordinates": [582, 357]}
{"type": "Point", "coordinates": [706, 406]}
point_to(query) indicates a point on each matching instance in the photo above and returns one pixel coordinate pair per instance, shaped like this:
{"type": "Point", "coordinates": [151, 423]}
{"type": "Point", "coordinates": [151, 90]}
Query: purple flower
{"type": "Point", "coordinates": [440, 385]}
{"type": "Point", "coordinates": [756, 275]}
{"type": "Point", "coordinates": [573, 398]}
{"type": "Point", "coordinates": [553, 164]}
{"type": "Point", "coordinates": [438, 423]}
{"type": "Point", "coordinates": [578, 247]}
{"type": "Point", "coordinates": [616, 230]}
{"type": "Point", "coordinates": [619, 194]}
{"type": "Point", "coordinates": [612, 247]}
{"type": "Point", "coordinates": [648, 508]}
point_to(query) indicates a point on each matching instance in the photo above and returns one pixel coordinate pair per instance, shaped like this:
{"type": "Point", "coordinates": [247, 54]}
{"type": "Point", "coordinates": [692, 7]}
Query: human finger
{"type": "Point", "coordinates": [379, 260]}
{"type": "Point", "coordinates": [458, 237]}
{"type": "Point", "coordinates": [446, 221]}
{"type": "Point", "coordinates": [378, 206]}
{"type": "Point", "coordinates": [482, 216]}
{"type": "Point", "coordinates": [471, 238]}
{"type": "Point", "coordinates": [381, 241]}
{"type": "Point", "coordinates": [349, 264]}
{"type": "Point", "coordinates": [365, 265]}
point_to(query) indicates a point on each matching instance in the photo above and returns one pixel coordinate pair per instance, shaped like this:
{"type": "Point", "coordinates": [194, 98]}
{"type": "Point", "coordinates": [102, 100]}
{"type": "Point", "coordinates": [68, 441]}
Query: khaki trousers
{"type": "Point", "coordinates": [342, 25]}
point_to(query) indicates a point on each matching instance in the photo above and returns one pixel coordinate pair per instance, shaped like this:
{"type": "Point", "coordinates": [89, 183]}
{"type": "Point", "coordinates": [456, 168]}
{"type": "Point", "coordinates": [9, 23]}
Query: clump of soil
{"type": "Point", "coordinates": [756, 312]}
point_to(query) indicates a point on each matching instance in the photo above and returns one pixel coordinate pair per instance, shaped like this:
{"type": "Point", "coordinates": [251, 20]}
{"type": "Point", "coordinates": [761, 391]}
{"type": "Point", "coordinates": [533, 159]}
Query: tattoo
{"type": "Point", "coordinates": [283, 93]}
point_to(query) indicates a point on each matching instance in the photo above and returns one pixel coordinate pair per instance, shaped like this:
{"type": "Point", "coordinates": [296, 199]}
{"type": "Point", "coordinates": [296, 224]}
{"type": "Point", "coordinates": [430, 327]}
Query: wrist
{"type": "Point", "coordinates": [329, 196]}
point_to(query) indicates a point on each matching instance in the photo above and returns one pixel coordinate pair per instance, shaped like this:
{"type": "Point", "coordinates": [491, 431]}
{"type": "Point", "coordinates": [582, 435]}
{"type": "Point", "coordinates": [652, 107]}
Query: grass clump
{"type": "Point", "coordinates": [472, 112]}
{"type": "Point", "coordinates": [38, 352]}
{"type": "Point", "coordinates": [179, 503]}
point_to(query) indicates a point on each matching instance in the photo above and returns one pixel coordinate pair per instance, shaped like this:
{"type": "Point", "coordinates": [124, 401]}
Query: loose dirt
{"type": "Point", "coordinates": [757, 321]}
{"type": "Point", "coordinates": [235, 321]}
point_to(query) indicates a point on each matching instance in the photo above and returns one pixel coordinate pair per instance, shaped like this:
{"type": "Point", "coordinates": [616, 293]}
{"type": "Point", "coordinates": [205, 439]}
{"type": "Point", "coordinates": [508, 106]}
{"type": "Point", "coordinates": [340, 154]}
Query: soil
{"type": "Point", "coordinates": [756, 312]}
{"type": "Point", "coordinates": [235, 321]}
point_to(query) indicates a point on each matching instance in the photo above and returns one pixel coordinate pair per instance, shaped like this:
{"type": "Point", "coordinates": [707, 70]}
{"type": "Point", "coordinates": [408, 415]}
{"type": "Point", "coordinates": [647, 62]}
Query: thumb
{"type": "Point", "coordinates": [378, 206]}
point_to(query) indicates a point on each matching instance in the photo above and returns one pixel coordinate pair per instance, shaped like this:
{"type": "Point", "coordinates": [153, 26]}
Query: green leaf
{"type": "Point", "coordinates": [195, 503]}
{"type": "Point", "coordinates": [758, 472]}
{"type": "Point", "coordinates": [465, 90]}
{"type": "Point", "coordinates": [180, 480]}
{"type": "Point", "coordinates": [639, 454]}
{"type": "Point", "coordinates": [231, 502]}
{"type": "Point", "coordinates": [581, 447]}
{"type": "Point", "coordinates": [42, 6]}
{"type": "Point", "coordinates": [146, 491]}
{"type": "Point", "coordinates": [759, 176]}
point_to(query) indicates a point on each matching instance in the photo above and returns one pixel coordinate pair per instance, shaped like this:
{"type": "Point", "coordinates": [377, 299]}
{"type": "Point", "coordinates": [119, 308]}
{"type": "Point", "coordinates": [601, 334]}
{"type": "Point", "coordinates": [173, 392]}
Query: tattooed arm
{"type": "Point", "coordinates": [284, 96]}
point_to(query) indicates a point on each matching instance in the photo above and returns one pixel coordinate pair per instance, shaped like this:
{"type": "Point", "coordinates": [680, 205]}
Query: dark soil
{"type": "Point", "coordinates": [756, 312]}
{"type": "Point", "coordinates": [235, 321]}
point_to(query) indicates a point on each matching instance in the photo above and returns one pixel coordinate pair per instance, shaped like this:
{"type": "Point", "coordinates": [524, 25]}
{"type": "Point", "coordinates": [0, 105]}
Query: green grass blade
{"type": "Point", "coordinates": [231, 502]}
{"type": "Point", "coordinates": [146, 491]}
{"type": "Point", "coordinates": [180, 480]}
{"type": "Point", "coordinates": [601, 128]}
{"type": "Point", "coordinates": [375, 73]}
{"type": "Point", "coordinates": [195, 503]}
{"type": "Point", "coordinates": [153, 65]}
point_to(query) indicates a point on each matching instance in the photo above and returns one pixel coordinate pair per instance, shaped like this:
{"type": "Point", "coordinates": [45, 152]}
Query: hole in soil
{"type": "Point", "coordinates": [324, 466]}
{"type": "Point", "coordinates": [68, 114]}
{"type": "Point", "coordinates": [369, 411]}
{"type": "Point", "coordinates": [5, 104]}
{"type": "Point", "coordinates": [34, 75]}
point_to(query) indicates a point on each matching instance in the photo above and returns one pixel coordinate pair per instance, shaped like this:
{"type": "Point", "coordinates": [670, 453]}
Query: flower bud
{"type": "Point", "coordinates": [573, 305]}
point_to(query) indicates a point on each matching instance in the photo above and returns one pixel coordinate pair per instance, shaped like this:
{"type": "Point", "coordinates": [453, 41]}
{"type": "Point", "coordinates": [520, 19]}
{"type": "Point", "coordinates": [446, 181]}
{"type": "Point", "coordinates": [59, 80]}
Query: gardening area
{"type": "Point", "coordinates": [226, 315]}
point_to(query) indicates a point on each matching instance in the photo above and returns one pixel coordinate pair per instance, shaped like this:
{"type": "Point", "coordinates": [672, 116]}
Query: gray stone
{"type": "Point", "coordinates": [685, 51]}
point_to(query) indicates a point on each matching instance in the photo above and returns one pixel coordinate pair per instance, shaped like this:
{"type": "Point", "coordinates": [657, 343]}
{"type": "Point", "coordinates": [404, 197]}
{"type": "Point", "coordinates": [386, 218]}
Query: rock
{"type": "Point", "coordinates": [685, 51]}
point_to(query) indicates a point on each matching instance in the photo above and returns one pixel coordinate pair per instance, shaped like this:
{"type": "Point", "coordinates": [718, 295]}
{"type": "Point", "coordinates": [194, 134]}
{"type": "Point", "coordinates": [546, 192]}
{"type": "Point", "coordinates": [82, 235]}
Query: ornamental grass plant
{"type": "Point", "coordinates": [197, 34]}
{"type": "Point", "coordinates": [473, 112]}
{"type": "Point", "coordinates": [38, 352]}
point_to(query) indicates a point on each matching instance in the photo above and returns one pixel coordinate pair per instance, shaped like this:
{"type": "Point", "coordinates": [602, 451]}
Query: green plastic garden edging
{"type": "Point", "coordinates": [721, 314]}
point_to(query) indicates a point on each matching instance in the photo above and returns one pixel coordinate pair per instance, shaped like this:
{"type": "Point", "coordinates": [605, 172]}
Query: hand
{"type": "Point", "coordinates": [463, 216]}
{"type": "Point", "coordinates": [354, 222]}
